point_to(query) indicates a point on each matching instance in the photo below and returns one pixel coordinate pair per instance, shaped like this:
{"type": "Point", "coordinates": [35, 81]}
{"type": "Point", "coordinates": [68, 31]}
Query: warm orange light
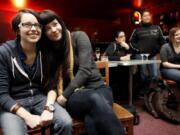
{"type": "Point", "coordinates": [137, 15]}
{"type": "Point", "coordinates": [137, 3]}
{"type": "Point", "coordinates": [19, 3]}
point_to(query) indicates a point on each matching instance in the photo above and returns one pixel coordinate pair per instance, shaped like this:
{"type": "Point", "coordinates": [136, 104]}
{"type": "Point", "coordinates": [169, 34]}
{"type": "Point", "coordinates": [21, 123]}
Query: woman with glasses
{"type": "Point", "coordinates": [170, 56]}
{"type": "Point", "coordinates": [119, 49]}
{"type": "Point", "coordinates": [70, 68]}
{"type": "Point", "coordinates": [22, 100]}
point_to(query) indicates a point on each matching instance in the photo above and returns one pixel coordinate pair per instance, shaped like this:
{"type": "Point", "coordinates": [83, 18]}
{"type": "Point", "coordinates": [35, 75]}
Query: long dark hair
{"type": "Point", "coordinates": [54, 58]}
{"type": "Point", "coordinates": [116, 33]}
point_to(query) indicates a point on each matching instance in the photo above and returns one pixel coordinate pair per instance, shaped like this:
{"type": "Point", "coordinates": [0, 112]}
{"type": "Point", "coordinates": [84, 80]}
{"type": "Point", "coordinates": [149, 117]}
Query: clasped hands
{"type": "Point", "coordinates": [45, 119]}
{"type": "Point", "coordinates": [36, 121]}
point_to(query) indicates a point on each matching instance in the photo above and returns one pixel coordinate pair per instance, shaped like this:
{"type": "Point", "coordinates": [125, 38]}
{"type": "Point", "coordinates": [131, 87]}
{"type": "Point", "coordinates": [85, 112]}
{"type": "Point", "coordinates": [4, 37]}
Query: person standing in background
{"type": "Point", "coordinates": [147, 39]}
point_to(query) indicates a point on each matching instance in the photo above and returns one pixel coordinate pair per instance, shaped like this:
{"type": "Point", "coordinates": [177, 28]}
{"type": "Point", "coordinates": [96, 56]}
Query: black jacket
{"type": "Point", "coordinates": [114, 51]}
{"type": "Point", "coordinates": [14, 81]}
{"type": "Point", "coordinates": [147, 39]}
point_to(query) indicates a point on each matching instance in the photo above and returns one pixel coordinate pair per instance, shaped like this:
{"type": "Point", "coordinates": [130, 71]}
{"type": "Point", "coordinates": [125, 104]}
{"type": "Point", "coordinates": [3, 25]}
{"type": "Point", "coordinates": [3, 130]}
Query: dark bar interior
{"type": "Point", "coordinates": [100, 19]}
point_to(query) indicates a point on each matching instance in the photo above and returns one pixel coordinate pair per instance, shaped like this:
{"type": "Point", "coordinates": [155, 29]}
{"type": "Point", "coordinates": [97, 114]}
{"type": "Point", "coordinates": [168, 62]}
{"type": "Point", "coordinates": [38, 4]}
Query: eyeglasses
{"type": "Point", "coordinates": [29, 25]}
{"type": "Point", "coordinates": [121, 36]}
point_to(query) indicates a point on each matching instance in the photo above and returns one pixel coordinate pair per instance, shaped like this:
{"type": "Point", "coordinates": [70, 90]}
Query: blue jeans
{"type": "Point", "coordinates": [12, 124]}
{"type": "Point", "coordinates": [95, 107]}
{"type": "Point", "coordinates": [172, 74]}
{"type": "Point", "coordinates": [149, 71]}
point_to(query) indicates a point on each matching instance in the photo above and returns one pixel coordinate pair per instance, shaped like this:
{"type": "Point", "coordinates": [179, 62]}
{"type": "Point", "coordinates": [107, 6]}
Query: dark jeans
{"type": "Point", "coordinates": [95, 106]}
{"type": "Point", "coordinates": [149, 70]}
{"type": "Point", "coordinates": [172, 74]}
{"type": "Point", "coordinates": [147, 73]}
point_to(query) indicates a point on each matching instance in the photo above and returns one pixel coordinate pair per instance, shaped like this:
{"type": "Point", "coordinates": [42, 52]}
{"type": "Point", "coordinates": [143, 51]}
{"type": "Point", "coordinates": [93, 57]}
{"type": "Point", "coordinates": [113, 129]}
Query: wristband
{"type": "Point", "coordinates": [15, 108]}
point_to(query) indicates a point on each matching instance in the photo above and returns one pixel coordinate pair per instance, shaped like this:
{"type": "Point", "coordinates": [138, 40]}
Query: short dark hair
{"type": "Point", "coordinates": [116, 34]}
{"type": "Point", "coordinates": [17, 18]}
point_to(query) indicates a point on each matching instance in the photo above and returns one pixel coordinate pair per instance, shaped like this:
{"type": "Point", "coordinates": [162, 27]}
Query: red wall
{"type": "Point", "coordinates": [104, 28]}
{"type": "Point", "coordinates": [100, 29]}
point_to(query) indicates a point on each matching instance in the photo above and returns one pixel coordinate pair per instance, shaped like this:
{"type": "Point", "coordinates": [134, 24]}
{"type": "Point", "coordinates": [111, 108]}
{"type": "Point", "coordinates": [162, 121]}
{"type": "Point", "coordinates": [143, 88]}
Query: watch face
{"type": "Point", "coordinates": [51, 108]}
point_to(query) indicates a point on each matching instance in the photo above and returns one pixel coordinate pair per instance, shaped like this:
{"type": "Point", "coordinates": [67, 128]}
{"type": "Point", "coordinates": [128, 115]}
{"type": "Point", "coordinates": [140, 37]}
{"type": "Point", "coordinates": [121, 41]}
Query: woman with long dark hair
{"type": "Point", "coordinates": [70, 68]}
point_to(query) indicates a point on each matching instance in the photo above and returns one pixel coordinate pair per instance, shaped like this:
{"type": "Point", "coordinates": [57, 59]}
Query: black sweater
{"type": "Point", "coordinates": [147, 39]}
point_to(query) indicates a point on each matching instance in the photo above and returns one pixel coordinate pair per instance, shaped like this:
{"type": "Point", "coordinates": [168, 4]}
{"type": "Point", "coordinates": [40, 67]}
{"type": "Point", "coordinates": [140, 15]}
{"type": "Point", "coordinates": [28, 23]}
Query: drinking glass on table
{"type": "Point", "coordinates": [142, 56]}
{"type": "Point", "coordinates": [97, 53]}
{"type": "Point", "coordinates": [146, 56]}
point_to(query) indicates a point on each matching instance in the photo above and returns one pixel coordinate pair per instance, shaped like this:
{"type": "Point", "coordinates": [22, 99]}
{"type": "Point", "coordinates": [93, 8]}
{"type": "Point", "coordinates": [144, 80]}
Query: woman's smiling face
{"type": "Point", "coordinates": [29, 28]}
{"type": "Point", "coordinates": [53, 30]}
{"type": "Point", "coordinates": [177, 36]}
